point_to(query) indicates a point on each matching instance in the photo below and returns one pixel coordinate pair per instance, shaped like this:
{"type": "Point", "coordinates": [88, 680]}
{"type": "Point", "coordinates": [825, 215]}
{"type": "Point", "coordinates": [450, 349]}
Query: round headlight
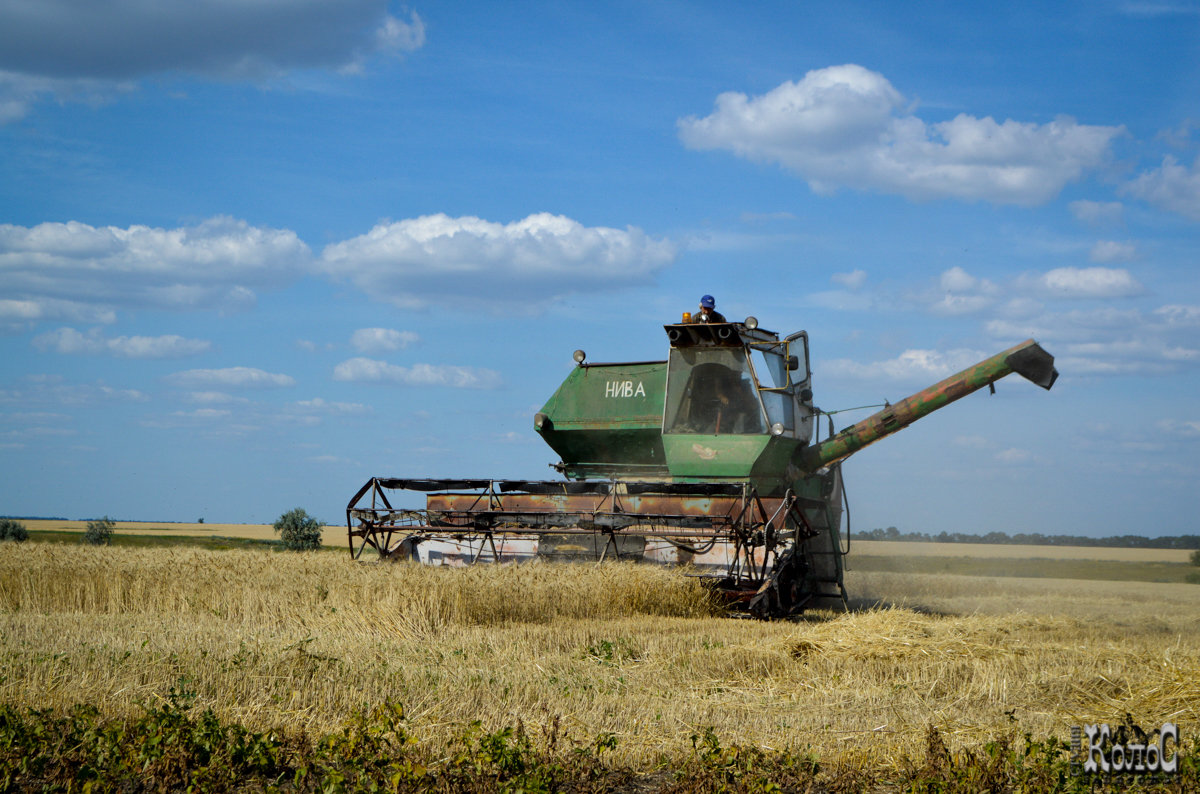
{"type": "Point", "coordinates": [777, 429]}
{"type": "Point", "coordinates": [751, 322]}
{"type": "Point", "coordinates": [579, 357]}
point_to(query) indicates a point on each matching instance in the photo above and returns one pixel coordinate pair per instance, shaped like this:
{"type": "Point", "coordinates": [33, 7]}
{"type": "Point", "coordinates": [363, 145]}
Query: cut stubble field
{"type": "Point", "coordinates": [299, 642]}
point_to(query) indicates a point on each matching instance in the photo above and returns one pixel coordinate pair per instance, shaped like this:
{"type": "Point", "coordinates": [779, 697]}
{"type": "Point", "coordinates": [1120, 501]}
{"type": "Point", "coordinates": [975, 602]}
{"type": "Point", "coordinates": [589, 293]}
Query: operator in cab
{"type": "Point", "coordinates": [708, 311]}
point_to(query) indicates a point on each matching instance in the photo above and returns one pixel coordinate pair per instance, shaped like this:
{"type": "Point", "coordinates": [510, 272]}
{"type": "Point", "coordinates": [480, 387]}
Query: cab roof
{"type": "Point", "coordinates": [716, 334]}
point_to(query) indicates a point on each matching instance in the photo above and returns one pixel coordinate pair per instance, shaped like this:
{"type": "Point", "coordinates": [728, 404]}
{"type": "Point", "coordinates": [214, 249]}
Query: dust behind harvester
{"type": "Point", "coordinates": [709, 459]}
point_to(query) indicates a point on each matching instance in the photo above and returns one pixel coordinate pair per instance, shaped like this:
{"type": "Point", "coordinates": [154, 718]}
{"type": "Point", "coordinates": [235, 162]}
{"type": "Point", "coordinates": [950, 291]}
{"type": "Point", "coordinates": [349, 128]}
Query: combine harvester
{"type": "Point", "coordinates": [708, 459]}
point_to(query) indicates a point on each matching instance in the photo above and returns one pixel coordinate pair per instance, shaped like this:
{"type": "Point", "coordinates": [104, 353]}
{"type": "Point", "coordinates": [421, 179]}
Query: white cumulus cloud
{"type": "Point", "coordinates": [518, 265]}
{"type": "Point", "coordinates": [1078, 325]}
{"type": "Point", "coordinates": [958, 292]}
{"type": "Point", "coordinates": [43, 390]}
{"type": "Point", "coordinates": [852, 280]}
{"type": "Point", "coordinates": [81, 272]}
{"type": "Point", "coordinates": [1136, 353]}
{"type": "Point", "coordinates": [21, 314]}
{"type": "Point", "coordinates": [1091, 319]}
{"type": "Point", "coordinates": [68, 340]}
{"type": "Point", "coordinates": [958, 280]}
{"type": "Point", "coordinates": [1176, 427]}
{"type": "Point", "coordinates": [74, 272]}
{"type": "Point", "coordinates": [1109, 341]}
{"type": "Point", "coordinates": [1106, 251]}
{"type": "Point", "coordinates": [911, 365]}
{"type": "Point", "coordinates": [230, 378]}
{"type": "Point", "coordinates": [1098, 213]}
{"type": "Point", "coordinates": [20, 92]}
{"type": "Point", "coordinates": [320, 405]}
{"type": "Point", "coordinates": [366, 370]}
{"type": "Point", "coordinates": [1172, 187]}
{"type": "Point", "coordinates": [848, 126]}
{"type": "Point", "coordinates": [396, 36]}
{"type": "Point", "coordinates": [213, 398]}
{"type": "Point", "coordinates": [203, 413]}
{"type": "Point", "coordinates": [1179, 315]}
{"type": "Point", "coordinates": [1089, 282]}
{"type": "Point", "coordinates": [381, 340]}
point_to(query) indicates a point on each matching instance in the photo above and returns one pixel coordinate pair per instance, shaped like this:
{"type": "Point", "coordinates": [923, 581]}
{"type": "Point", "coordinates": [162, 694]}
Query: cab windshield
{"type": "Point", "coordinates": [711, 391]}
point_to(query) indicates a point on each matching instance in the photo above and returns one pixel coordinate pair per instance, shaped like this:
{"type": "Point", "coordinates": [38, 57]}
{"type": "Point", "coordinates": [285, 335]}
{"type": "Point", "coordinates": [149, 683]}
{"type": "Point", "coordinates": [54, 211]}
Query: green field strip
{"type": "Point", "coordinates": [1039, 568]}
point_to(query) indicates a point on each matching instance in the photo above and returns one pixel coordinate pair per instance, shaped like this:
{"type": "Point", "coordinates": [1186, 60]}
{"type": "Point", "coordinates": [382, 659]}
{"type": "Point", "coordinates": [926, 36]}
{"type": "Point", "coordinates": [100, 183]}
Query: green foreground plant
{"type": "Point", "coordinates": [170, 747]}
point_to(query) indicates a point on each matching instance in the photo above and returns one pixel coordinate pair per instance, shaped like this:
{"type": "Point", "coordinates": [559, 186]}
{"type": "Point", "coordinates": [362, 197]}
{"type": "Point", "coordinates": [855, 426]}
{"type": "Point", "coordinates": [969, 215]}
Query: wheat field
{"type": "Point", "coordinates": [298, 642]}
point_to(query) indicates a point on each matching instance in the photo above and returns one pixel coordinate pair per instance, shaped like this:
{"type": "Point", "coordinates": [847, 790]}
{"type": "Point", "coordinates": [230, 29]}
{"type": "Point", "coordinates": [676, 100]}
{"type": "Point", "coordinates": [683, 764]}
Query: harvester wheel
{"type": "Point", "coordinates": [782, 593]}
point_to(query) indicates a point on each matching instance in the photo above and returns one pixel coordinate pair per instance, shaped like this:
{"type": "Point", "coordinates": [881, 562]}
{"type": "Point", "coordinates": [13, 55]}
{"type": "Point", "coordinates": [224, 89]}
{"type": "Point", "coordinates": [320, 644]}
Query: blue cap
{"type": "Point", "coordinates": [708, 302]}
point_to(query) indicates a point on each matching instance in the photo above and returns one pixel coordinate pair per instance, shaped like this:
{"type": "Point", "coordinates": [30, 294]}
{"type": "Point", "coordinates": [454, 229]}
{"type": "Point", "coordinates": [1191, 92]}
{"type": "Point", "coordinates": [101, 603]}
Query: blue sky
{"type": "Point", "coordinates": [253, 252]}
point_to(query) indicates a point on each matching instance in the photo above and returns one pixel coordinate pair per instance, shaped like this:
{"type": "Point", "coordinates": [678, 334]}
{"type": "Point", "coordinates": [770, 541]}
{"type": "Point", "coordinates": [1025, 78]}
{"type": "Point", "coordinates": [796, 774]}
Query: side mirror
{"type": "Point", "coordinates": [806, 395]}
{"type": "Point", "coordinates": [793, 363]}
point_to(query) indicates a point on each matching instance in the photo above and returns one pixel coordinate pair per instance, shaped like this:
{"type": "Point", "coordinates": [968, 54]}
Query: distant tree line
{"type": "Point", "coordinates": [1034, 539]}
{"type": "Point", "coordinates": [130, 520]}
{"type": "Point", "coordinates": [37, 518]}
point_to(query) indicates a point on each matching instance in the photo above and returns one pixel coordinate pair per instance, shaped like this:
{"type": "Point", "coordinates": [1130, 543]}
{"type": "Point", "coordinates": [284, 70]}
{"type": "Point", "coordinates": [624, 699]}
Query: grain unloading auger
{"type": "Point", "coordinates": [708, 459]}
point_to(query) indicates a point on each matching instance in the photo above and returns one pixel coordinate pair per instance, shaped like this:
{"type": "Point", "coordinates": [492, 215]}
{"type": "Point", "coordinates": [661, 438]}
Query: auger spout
{"type": "Point", "coordinates": [1027, 359]}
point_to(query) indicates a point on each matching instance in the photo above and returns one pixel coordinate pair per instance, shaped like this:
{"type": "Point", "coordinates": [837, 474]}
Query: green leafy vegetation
{"type": "Point", "coordinates": [170, 747]}
{"type": "Point", "coordinates": [99, 532]}
{"type": "Point", "coordinates": [13, 530]}
{"type": "Point", "coordinates": [299, 531]}
{"type": "Point", "coordinates": [174, 746]}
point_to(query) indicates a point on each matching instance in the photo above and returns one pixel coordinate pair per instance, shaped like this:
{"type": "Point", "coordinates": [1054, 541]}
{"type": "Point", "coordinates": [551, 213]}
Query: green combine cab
{"type": "Point", "coordinates": [708, 459]}
{"type": "Point", "coordinates": [732, 402]}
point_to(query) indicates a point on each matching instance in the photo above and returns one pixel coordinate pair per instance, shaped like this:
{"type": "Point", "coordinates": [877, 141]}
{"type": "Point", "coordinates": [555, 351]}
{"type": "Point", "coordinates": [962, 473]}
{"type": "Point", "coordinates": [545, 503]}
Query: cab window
{"type": "Point", "coordinates": [711, 391]}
